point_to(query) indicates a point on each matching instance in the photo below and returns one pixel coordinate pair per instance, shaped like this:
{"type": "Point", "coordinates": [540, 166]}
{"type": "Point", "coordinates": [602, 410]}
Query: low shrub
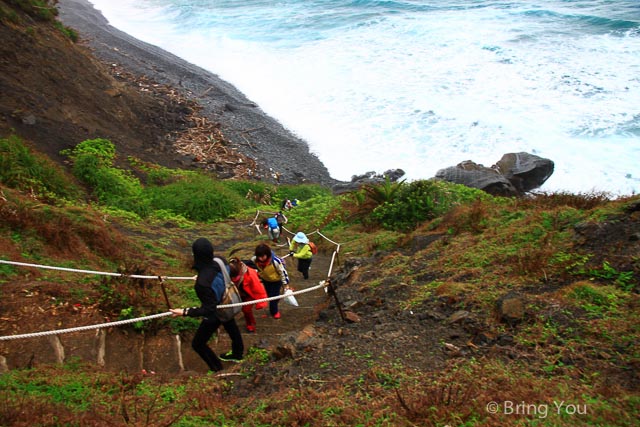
{"type": "Point", "coordinates": [423, 200]}
{"type": "Point", "coordinates": [197, 198]}
{"type": "Point", "coordinates": [93, 164]}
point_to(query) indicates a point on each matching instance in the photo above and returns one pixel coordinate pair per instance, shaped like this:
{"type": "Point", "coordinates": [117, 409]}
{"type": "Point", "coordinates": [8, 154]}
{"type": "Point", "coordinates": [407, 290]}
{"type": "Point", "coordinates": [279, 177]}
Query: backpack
{"type": "Point", "coordinates": [313, 247]}
{"type": "Point", "coordinates": [272, 223]}
{"type": "Point", "coordinates": [275, 259]}
{"type": "Point", "coordinates": [226, 293]}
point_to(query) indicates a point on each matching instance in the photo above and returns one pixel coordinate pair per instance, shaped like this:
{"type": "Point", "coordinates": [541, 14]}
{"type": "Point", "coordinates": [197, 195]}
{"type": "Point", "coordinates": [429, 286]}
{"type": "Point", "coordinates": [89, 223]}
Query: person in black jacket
{"type": "Point", "coordinates": [207, 269]}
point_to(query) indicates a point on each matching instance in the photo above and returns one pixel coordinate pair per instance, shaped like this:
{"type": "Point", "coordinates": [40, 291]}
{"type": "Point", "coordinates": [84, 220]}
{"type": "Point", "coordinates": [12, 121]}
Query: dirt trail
{"type": "Point", "coordinates": [25, 299]}
{"type": "Point", "coordinates": [294, 319]}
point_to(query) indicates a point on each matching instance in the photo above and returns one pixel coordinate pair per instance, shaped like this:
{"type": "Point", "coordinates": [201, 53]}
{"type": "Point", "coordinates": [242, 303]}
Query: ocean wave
{"type": "Point", "coordinates": [588, 23]}
{"type": "Point", "coordinates": [424, 84]}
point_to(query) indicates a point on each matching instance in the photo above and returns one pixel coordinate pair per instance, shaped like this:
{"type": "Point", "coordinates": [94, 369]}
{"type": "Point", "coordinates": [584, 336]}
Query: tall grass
{"type": "Point", "coordinates": [195, 196]}
{"type": "Point", "coordinates": [23, 169]}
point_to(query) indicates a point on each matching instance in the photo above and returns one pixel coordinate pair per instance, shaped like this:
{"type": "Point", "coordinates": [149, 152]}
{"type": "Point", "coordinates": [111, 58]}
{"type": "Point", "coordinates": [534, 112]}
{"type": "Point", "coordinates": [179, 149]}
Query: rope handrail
{"type": "Point", "coordinates": [322, 284]}
{"type": "Point", "coordinates": [85, 328]}
{"type": "Point", "coordinates": [302, 291]}
{"type": "Point", "coordinates": [151, 317]}
{"type": "Point", "coordinates": [317, 231]}
{"type": "Point", "coordinates": [103, 273]}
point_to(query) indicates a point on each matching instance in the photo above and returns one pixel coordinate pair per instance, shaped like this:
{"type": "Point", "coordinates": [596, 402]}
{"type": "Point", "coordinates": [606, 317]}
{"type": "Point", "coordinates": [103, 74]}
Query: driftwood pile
{"type": "Point", "coordinates": [199, 139]}
{"type": "Point", "coordinates": [206, 144]}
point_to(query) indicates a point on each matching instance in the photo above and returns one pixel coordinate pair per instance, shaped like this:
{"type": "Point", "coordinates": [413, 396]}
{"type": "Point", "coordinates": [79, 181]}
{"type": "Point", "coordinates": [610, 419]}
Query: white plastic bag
{"type": "Point", "coordinates": [290, 298]}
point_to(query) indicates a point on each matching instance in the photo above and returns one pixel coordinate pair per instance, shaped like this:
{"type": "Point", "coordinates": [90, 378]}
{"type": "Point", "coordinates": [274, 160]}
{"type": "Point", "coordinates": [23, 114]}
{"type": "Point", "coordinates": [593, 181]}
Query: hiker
{"type": "Point", "coordinates": [286, 205]}
{"type": "Point", "coordinates": [300, 250]}
{"type": "Point", "coordinates": [282, 220]}
{"type": "Point", "coordinates": [207, 270]}
{"type": "Point", "coordinates": [273, 274]}
{"type": "Point", "coordinates": [251, 288]}
{"type": "Point", "coordinates": [272, 227]}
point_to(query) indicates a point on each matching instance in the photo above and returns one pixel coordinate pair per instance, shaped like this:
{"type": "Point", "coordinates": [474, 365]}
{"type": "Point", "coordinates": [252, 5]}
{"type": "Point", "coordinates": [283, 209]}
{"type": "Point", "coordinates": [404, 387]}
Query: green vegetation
{"type": "Point", "coordinates": [67, 31]}
{"type": "Point", "coordinates": [435, 245]}
{"type": "Point", "coordinates": [24, 170]}
{"type": "Point", "coordinates": [168, 194]}
{"type": "Point", "coordinates": [406, 206]}
{"type": "Point", "coordinates": [43, 10]}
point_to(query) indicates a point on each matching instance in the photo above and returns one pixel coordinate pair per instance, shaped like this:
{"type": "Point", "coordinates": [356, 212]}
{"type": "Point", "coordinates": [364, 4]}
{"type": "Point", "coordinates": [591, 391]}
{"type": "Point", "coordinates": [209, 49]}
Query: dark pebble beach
{"type": "Point", "coordinates": [253, 133]}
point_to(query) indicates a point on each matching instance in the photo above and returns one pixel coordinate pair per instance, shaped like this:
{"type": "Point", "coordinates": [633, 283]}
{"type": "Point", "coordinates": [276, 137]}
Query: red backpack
{"type": "Point", "coordinates": [313, 247]}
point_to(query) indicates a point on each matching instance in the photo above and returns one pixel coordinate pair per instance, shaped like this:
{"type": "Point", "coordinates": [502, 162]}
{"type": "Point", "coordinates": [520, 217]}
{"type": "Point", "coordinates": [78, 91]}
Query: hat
{"type": "Point", "coordinates": [300, 237]}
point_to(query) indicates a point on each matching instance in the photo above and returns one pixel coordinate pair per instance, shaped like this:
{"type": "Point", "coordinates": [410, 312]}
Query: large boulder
{"type": "Point", "coordinates": [478, 176]}
{"type": "Point", "coordinates": [525, 171]}
{"type": "Point", "coordinates": [513, 175]}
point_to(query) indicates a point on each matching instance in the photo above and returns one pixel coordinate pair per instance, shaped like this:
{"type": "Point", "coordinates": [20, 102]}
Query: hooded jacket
{"type": "Point", "coordinates": [207, 269]}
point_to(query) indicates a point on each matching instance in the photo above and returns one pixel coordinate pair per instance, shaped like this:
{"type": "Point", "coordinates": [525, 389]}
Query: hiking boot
{"type": "Point", "coordinates": [277, 315]}
{"type": "Point", "coordinates": [229, 357]}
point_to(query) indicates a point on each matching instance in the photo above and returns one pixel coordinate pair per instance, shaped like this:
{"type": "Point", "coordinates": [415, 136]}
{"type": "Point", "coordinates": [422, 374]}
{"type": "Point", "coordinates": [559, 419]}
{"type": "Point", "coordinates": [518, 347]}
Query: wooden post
{"type": "Point", "coordinates": [332, 291]}
{"type": "Point", "coordinates": [164, 292]}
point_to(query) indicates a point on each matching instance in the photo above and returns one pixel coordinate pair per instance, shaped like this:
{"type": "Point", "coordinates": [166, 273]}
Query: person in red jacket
{"type": "Point", "coordinates": [250, 287]}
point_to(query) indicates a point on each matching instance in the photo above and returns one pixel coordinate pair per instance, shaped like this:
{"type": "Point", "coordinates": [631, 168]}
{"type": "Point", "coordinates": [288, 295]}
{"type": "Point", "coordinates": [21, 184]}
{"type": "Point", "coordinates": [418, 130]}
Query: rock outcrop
{"type": "Point", "coordinates": [513, 175]}
{"type": "Point", "coordinates": [369, 178]}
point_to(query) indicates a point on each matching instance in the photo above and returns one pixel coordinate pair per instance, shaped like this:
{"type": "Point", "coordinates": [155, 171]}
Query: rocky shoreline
{"type": "Point", "coordinates": [252, 132]}
{"type": "Point", "coordinates": [268, 151]}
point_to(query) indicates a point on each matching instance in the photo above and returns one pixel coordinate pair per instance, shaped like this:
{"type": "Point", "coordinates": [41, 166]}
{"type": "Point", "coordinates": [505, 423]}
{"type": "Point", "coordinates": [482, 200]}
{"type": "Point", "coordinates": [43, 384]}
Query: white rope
{"type": "Point", "coordinates": [103, 273]}
{"type": "Point", "coordinates": [333, 257]}
{"type": "Point", "coordinates": [257, 226]}
{"type": "Point", "coordinates": [85, 328]}
{"type": "Point", "coordinates": [327, 239]}
{"type": "Point", "coordinates": [302, 291]}
{"type": "Point", "coordinates": [159, 315]}
{"type": "Point", "coordinates": [140, 319]}
{"type": "Point", "coordinates": [317, 231]}
{"type": "Point", "coordinates": [258, 215]}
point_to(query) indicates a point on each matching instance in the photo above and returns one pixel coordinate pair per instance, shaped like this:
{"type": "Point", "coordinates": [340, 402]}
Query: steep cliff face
{"type": "Point", "coordinates": [54, 94]}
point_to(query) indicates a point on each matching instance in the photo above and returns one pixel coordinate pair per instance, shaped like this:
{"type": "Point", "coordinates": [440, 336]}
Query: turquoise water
{"type": "Point", "coordinates": [423, 85]}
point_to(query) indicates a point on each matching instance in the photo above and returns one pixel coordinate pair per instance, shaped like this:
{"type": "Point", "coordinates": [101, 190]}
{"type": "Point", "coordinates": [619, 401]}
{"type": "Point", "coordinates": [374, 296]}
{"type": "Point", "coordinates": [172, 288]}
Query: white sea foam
{"type": "Point", "coordinates": [422, 88]}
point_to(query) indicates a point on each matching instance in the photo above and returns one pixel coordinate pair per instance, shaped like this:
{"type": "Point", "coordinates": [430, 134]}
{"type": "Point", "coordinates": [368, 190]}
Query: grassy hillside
{"type": "Point", "coordinates": [529, 304]}
{"type": "Point", "coordinates": [451, 307]}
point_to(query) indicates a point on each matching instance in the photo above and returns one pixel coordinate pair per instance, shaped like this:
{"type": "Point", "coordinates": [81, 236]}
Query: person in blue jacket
{"type": "Point", "coordinates": [272, 227]}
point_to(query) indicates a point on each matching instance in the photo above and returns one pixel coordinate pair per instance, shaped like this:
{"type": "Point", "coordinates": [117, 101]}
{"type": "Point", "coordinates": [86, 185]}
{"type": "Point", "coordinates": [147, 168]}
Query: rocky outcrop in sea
{"type": "Point", "coordinates": [513, 175]}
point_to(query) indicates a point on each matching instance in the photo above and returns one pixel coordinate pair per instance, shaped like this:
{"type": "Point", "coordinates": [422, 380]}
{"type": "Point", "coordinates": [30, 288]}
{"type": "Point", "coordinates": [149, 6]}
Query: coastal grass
{"type": "Point", "coordinates": [465, 392]}
{"type": "Point", "coordinates": [565, 364]}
